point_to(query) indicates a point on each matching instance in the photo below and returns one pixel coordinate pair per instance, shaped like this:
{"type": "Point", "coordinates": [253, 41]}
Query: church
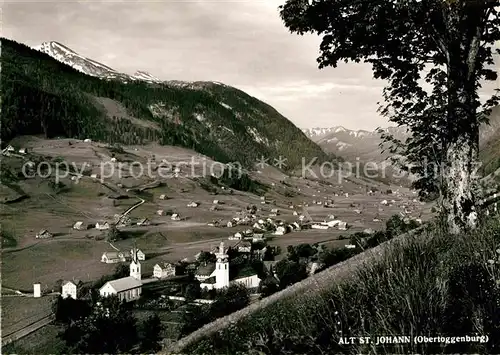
{"type": "Point", "coordinates": [127, 288]}
{"type": "Point", "coordinates": [219, 277]}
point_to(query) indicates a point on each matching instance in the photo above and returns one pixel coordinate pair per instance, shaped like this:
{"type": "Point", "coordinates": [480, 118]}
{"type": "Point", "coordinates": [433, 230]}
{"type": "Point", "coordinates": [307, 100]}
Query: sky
{"type": "Point", "coordinates": [239, 43]}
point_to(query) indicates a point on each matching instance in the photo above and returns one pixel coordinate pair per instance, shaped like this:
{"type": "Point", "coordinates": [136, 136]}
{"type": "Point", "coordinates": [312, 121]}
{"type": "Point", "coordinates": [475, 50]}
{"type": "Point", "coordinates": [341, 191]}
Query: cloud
{"type": "Point", "coordinates": [240, 42]}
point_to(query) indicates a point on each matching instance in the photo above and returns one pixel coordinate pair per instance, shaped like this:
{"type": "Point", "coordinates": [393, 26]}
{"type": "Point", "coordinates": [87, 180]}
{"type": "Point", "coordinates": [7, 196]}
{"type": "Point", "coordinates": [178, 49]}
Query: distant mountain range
{"type": "Point", "coordinates": [352, 144]}
{"type": "Point", "coordinates": [55, 91]}
{"type": "Point", "coordinates": [365, 145]}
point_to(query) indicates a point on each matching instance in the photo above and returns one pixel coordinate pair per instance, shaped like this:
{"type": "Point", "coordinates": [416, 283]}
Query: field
{"type": "Point", "coordinates": [18, 312]}
{"type": "Point", "coordinates": [73, 254]}
{"type": "Point", "coordinates": [41, 341]}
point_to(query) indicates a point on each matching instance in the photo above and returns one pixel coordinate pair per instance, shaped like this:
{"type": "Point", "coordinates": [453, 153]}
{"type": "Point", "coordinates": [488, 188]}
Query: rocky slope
{"type": "Point", "coordinates": [58, 92]}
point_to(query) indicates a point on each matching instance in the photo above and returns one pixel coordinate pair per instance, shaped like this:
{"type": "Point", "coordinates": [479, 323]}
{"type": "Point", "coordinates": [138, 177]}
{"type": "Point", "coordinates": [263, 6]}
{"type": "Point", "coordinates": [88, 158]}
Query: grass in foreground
{"type": "Point", "coordinates": [432, 285]}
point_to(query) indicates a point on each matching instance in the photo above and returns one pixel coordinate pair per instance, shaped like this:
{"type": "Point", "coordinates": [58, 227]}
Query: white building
{"type": "Point", "coordinates": [43, 234]}
{"type": "Point", "coordinates": [222, 268]}
{"type": "Point", "coordinates": [319, 226]}
{"type": "Point", "coordinates": [37, 290]}
{"type": "Point", "coordinates": [219, 278]}
{"type": "Point", "coordinates": [111, 257]}
{"type": "Point", "coordinates": [79, 226]}
{"type": "Point", "coordinates": [332, 223]}
{"type": "Point", "coordinates": [102, 225]}
{"type": "Point", "coordinates": [139, 253]}
{"type": "Point", "coordinates": [164, 270]}
{"type": "Point", "coordinates": [127, 288]}
{"type": "Point", "coordinates": [175, 217]}
{"type": "Point", "coordinates": [69, 289]}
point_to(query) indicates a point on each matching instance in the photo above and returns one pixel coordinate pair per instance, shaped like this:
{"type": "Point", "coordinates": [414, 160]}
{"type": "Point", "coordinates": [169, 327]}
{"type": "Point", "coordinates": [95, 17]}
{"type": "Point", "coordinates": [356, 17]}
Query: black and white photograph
{"type": "Point", "coordinates": [261, 177]}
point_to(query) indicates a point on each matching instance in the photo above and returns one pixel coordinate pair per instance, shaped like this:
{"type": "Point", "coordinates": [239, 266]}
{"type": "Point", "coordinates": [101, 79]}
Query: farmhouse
{"type": "Point", "coordinates": [192, 204]}
{"type": "Point", "coordinates": [140, 255]}
{"type": "Point", "coordinates": [127, 288]}
{"type": "Point", "coordinates": [111, 257]}
{"type": "Point", "coordinates": [164, 270]}
{"type": "Point", "coordinates": [319, 226]}
{"type": "Point", "coordinates": [163, 197]}
{"type": "Point", "coordinates": [175, 217]}
{"type": "Point", "coordinates": [44, 234]}
{"type": "Point", "coordinates": [245, 247]}
{"type": "Point", "coordinates": [69, 289]}
{"type": "Point", "coordinates": [238, 235]}
{"type": "Point", "coordinates": [102, 225]}
{"type": "Point", "coordinates": [258, 238]}
{"type": "Point", "coordinates": [8, 150]}
{"type": "Point", "coordinates": [79, 226]}
{"type": "Point", "coordinates": [258, 226]}
{"type": "Point", "coordinates": [280, 230]}
{"type": "Point", "coordinates": [331, 223]}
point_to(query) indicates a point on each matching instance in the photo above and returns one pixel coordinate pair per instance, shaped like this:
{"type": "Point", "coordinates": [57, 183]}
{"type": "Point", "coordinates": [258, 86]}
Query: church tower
{"type": "Point", "coordinates": [135, 266]}
{"type": "Point", "coordinates": [222, 268]}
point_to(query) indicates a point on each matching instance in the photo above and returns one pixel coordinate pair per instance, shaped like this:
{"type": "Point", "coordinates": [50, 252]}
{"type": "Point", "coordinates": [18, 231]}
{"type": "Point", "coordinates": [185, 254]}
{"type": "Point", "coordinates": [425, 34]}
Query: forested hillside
{"type": "Point", "coordinates": [44, 96]}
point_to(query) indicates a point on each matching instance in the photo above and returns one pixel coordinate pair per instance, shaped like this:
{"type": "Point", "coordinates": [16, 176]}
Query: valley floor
{"type": "Point", "coordinates": [75, 254]}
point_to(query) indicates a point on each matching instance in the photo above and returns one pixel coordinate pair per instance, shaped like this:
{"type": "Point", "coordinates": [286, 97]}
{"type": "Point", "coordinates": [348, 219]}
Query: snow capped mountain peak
{"type": "Point", "coordinates": [88, 66]}
{"type": "Point", "coordinates": [145, 76]}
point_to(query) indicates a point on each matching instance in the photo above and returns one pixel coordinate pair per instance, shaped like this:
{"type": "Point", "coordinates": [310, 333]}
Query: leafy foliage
{"type": "Point", "coordinates": [67, 310]}
{"type": "Point", "coordinates": [110, 328]}
{"type": "Point", "coordinates": [290, 272]}
{"type": "Point", "coordinates": [149, 333]}
{"type": "Point", "coordinates": [448, 45]}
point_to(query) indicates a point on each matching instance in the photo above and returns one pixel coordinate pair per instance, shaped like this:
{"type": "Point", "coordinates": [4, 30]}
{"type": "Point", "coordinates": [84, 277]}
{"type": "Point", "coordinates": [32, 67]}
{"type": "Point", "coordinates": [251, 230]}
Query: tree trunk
{"type": "Point", "coordinates": [462, 180]}
{"type": "Point", "coordinates": [462, 185]}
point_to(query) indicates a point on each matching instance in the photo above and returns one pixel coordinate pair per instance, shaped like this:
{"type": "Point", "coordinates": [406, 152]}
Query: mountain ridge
{"type": "Point", "coordinates": [51, 97]}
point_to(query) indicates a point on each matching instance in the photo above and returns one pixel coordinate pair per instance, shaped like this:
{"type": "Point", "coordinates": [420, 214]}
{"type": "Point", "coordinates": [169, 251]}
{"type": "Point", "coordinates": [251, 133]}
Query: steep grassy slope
{"type": "Point", "coordinates": [426, 285]}
{"type": "Point", "coordinates": [44, 96]}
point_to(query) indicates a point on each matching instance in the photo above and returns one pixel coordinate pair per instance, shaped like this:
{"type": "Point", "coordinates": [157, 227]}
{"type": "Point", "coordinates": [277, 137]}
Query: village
{"type": "Point", "coordinates": [167, 234]}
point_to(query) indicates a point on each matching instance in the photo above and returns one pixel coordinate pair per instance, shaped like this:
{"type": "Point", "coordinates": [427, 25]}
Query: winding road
{"type": "Point", "coordinates": [131, 209]}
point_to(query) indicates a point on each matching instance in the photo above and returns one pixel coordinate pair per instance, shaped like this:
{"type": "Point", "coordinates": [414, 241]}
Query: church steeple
{"type": "Point", "coordinates": [222, 268]}
{"type": "Point", "coordinates": [135, 265]}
